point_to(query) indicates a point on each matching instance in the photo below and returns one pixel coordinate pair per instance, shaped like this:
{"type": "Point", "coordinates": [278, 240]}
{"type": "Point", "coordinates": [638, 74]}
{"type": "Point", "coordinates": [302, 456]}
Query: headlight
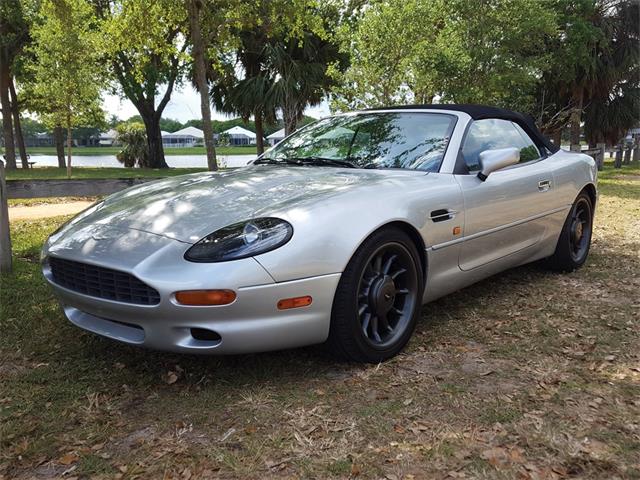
{"type": "Point", "coordinates": [241, 240]}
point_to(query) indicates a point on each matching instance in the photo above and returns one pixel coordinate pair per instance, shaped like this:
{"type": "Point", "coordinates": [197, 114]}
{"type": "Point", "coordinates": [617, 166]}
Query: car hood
{"type": "Point", "coordinates": [189, 207]}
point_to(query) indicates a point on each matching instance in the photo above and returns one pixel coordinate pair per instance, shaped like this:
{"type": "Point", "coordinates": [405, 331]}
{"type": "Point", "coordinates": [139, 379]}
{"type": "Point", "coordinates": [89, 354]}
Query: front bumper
{"type": "Point", "coordinates": [252, 323]}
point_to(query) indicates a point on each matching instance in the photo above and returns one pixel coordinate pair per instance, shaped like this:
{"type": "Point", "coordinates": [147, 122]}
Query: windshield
{"type": "Point", "coordinates": [369, 140]}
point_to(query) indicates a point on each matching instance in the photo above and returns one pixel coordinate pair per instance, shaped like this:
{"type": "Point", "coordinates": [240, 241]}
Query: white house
{"type": "Point", "coordinates": [240, 136]}
{"type": "Point", "coordinates": [108, 138]}
{"type": "Point", "coordinates": [276, 137]}
{"type": "Point", "coordinates": [187, 137]}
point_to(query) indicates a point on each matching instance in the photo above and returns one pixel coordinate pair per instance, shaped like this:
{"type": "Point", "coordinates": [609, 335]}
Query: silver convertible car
{"type": "Point", "coordinates": [339, 234]}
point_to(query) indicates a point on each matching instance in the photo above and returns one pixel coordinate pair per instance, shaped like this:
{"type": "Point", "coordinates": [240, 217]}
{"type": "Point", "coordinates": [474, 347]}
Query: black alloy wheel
{"type": "Point", "coordinates": [387, 294]}
{"type": "Point", "coordinates": [378, 299]}
{"type": "Point", "coordinates": [580, 232]}
{"type": "Point", "coordinates": [573, 245]}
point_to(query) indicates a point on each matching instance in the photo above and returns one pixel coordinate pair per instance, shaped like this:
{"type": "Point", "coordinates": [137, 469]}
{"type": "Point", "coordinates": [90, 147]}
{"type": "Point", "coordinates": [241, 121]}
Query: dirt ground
{"type": "Point", "coordinates": [35, 212]}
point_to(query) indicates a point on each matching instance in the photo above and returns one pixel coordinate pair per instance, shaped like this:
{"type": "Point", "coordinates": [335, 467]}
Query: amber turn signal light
{"type": "Point", "coordinates": [296, 302]}
{"type": "Point", "coordinates": [205, 297]}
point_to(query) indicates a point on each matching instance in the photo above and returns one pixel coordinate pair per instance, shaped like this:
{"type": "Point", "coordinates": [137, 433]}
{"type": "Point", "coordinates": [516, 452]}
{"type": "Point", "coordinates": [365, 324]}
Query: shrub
{"type": "Point", "coordinates": [133, 138]}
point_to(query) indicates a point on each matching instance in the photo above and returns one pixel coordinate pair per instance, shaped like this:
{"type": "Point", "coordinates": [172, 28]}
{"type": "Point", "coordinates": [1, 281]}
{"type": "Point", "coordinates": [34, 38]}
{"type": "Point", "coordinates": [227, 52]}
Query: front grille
{"type": "Point", "coordinates": [102, 282]}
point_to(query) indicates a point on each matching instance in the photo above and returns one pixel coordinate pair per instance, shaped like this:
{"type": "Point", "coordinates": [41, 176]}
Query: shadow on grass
{"type": "Point", "coordinates": [37, 327]}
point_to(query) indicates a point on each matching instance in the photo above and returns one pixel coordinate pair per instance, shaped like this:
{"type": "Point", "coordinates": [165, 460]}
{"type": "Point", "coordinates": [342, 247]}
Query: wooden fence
{"type": "Point", "coordinates": [69, 188]}
{"type": "Point", "coordinates": [623, 154]}
{"type": "Point", "coordinates": [49, 188]}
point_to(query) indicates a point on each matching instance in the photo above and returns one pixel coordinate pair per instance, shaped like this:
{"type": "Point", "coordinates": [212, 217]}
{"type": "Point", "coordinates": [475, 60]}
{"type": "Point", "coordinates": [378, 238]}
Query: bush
{"type": "Point", "coordinates": [133, 138]}
{"type": "Point", "coordinates": [223, 140]}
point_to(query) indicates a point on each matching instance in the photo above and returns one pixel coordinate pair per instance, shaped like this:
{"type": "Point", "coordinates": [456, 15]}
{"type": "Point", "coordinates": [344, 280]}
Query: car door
{"type": "Point", "coordinates": [505, 213]}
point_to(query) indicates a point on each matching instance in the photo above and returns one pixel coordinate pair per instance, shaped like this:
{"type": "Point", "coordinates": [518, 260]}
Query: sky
{"type": "Point", "coordinates": [184, 105]}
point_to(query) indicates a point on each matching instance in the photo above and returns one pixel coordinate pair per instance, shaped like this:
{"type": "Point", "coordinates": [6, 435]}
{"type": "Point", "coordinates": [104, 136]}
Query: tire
{"type": "Point", "coordinates": [573, 245]}
{"type": "Point", "coordinates": [383, 280]}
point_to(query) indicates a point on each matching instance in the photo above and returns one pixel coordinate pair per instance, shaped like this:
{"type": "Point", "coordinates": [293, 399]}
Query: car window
{"type": "Point", "coordinates": [372, 140]}
{"type": "Point", "coordinates": [493, 133]}
{"type": "Point", "coordinates": [529, 152]}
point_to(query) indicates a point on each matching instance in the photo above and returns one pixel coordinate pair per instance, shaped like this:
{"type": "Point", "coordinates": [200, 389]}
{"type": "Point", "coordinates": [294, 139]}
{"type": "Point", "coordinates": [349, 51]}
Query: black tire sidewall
{"type": "Point", "coordinates": [345, 335]}
{"type": "Point", "coordinates": [562, 260]}
{"type": "Point", "coordinates": [578, 263]}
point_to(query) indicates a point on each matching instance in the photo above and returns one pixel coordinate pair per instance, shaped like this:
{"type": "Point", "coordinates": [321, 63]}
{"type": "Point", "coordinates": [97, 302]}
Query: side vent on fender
{"type": "Point", "coordinates": [442, 215]}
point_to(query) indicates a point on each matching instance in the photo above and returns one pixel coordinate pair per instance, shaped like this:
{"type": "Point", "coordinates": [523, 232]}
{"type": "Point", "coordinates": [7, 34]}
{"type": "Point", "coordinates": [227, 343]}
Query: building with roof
{"type": "Point", "coordinates": [39, 139]}
{"type": "Point", "coordinates": [276, 137]}
{"type": "Point", "coordinates": [240, 136]}
{"type": "Point", "coordinates": [186, 137]}
{"type": "Point", "coordinates": [108, 138]}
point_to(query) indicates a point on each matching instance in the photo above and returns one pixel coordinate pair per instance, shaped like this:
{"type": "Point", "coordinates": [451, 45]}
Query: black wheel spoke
{"type": "Point", "coordinates": [374, 328]}
{"type": "Point", "coordinates": [384, 324]}
{"type": "Point", "coordinates": [365, 324]}
{"type": "Point", "coordinates": [398, 272]}
{"type": "Point", "coordinates": [377, 264]}
{"type": "Point", "coordinates": [580, 232]}
{"type": "Point", "coordinates": [388, 263]}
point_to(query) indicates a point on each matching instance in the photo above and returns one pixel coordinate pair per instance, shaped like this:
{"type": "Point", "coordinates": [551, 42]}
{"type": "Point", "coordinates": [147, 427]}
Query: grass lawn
{"type": "Point", "coordinates": [54, 173]}
{"type": "Point", "coordinates": [525, 375]}
{"type": "Point", "coordinates": [249, 150]}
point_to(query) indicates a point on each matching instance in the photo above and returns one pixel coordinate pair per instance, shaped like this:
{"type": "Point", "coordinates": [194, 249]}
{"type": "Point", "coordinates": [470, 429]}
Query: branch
{"type": "Point", "coordinates": [131, 88]}
{"type": "Point", "coordinates": [172, 80]}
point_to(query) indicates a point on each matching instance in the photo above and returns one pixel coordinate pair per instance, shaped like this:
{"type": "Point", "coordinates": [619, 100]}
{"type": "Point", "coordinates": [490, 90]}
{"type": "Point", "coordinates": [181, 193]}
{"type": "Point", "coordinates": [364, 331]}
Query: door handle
{"type": "Point", "coordinates": [544, 185]}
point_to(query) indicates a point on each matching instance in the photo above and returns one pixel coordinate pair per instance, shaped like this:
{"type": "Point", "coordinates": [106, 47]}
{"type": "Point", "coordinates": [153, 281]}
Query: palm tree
{"type": "Point", "coordinates": [301, 68]}
{"type": "Point", "coordinates": [606, 120]}
{"type": "Point", "coordinates": [595, 72]}
{"type": "Point", "coordinates": [245, 92]}
{"type": "Point", "coordinates": [614, 105]}
{"type": "Point", "coordinates": [133, 138]}
{"type": "Point", "coordinates": [199, 53]}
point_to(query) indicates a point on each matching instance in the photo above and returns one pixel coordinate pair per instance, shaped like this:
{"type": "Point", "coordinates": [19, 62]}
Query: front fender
{"type": "Point", "coordinates": [327, 233]}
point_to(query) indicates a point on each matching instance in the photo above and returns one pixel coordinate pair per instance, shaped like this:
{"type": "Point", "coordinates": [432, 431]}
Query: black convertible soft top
{"type": "Point", "coordinates": [480, 112]}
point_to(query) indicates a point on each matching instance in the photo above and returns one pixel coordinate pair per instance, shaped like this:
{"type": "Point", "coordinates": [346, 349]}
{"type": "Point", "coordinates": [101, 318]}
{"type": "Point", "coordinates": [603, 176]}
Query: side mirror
{"type": "Point", "coordinates": [492, 160]}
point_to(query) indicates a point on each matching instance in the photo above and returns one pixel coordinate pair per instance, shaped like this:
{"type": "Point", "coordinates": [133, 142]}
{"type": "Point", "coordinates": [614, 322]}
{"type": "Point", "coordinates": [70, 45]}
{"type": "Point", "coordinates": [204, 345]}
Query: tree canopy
{"type": "Point", "coordinates": [420, 51]}
{"type": "Point", "coordinates": [569, 63]}
{"type": "Point", "coordinates": [145, 53]}
{"type": "Point", "coordinates": [67, 76]}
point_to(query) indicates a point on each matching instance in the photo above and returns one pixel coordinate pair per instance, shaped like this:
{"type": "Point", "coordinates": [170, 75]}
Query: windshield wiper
{"type": "Point", "coordinates": [303, 161]}
{"type": "Point", "coordinates": [321, 161]}
{"type": "Point", "coordinates": [279, 161]}
{"type": "Point", "coordinates": [270, 161]}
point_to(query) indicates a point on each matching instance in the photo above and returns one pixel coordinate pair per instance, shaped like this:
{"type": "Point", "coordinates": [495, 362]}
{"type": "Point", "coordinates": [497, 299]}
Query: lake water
{"type": "Point", "coordinates": [172, 160]}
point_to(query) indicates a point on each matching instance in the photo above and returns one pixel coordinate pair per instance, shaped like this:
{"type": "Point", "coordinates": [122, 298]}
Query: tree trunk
{"type": "Point", "coordinates": [58, 138]}
{"type": "Point", "coordinates": [200, 64]}
{"type": "Point", "coordinates": [600, 155]}
{"type": "Point", "coordinates": [259, 133]}
{"type": "Point", "coordinates": [617, 163]}
{"type": "Point", "coordinates": [5, 104]}
{"type": "Point", "coordinates": [290, 120]}
{"type": "Point", "coordinates": [15, 110]}
{"type": "Point", "coordinates": [154, 141]}
{"type": "Point", "coordinates": [576, 117]}
{"type": "Point", "coordinates": [69, 145]}
{"type": "Point", "coordinates": [627, 155]}
{"type": "Point", "coordinates": [5, 234]}
{"type": "Point", "coordinates": [636, 150]}
{"type": "Point", "coordinates": [557, 138]}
